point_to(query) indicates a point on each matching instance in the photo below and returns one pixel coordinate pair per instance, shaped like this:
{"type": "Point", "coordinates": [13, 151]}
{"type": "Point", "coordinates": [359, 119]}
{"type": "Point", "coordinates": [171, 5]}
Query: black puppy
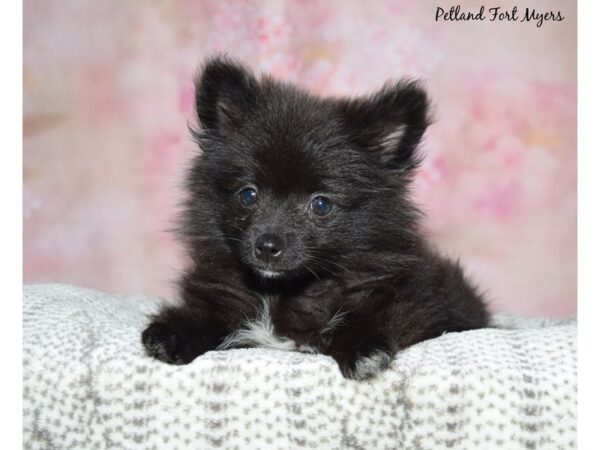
{"type": "Point", "coordinates": [301, 231]}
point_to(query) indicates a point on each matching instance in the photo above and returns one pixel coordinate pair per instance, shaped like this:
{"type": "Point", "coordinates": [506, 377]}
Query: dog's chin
{"type": "Point", "coordinates": [275, 274]}
{"type": "Point", "coordinates": [272, 274]}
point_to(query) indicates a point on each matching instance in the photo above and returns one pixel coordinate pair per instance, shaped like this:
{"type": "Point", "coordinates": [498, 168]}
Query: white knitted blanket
{"type": "Point", "coordinates": [89, 385]}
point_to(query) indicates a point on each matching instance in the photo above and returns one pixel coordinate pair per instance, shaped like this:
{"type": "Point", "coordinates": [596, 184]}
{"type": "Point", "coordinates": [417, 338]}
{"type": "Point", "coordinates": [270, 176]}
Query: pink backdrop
{"type": "Point", "coordinates": [108, 93]}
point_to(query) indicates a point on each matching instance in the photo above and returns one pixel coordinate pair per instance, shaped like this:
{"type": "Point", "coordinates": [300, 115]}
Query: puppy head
{"type": "Point", "coordinates": [295, 185]}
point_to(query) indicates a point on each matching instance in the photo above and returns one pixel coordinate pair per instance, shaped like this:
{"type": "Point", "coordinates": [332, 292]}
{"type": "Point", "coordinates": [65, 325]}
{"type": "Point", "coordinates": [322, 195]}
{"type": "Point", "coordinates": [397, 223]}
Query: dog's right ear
{"type": "Point", "coordinates": [390, 123]}
{"type": "Point", "coordinates": [225, 91]}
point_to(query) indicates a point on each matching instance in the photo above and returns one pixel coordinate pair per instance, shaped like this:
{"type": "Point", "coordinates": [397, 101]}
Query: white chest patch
{"type": "Point", "coordinates": [260, 332]}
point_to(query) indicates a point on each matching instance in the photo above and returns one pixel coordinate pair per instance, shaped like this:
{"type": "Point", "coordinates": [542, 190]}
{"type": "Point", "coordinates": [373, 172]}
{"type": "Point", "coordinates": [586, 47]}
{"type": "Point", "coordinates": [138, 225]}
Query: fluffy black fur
{"type": "Point", "coordinates": [364, 264]}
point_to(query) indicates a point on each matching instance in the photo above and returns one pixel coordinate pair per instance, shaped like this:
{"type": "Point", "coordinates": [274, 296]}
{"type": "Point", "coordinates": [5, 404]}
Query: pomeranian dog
{"type": "Point", "coordinates": [301, 231]}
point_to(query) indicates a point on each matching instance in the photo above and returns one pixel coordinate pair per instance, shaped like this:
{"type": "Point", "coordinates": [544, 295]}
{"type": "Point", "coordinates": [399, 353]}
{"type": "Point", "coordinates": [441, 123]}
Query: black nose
{"type": "Point", "coordinates": [268, 247]}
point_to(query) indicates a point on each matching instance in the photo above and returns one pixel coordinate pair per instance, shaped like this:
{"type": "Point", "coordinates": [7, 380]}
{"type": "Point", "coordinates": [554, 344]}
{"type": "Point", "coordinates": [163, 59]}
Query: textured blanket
{"type": "Point", "coordinates": [88, 385]}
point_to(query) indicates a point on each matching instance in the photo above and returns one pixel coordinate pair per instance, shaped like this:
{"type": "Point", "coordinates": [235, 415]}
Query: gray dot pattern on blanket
{"type": "Point", "coordinates": [88, 385]}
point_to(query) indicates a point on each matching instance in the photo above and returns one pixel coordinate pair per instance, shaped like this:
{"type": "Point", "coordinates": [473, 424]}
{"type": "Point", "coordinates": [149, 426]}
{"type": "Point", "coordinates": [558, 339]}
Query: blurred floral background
{"type": "Point", "coordinates": [108, 94]}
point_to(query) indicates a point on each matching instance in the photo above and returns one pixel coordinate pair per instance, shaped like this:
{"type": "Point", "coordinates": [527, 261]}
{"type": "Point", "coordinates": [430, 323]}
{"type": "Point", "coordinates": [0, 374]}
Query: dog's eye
{"type": "Point", "coordinates": [248, 196]}
{"type": "Point", "coordinates": [321, 206]}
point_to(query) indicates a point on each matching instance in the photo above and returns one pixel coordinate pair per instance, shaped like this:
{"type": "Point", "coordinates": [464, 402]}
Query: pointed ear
{"type": "Point", "coordinates": [225, 90]}
{"type": "Point", "coordinates": [390, 122]}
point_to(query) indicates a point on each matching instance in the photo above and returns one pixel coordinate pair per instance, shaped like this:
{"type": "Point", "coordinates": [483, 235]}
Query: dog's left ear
{"type": "Point", "coordinates": [390, 122]}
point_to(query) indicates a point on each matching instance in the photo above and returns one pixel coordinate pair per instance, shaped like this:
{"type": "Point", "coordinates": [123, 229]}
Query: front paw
{"type": "Point", "coordinates": [364, 366]}
{"type": "Point", "coordinates": [165, 344]}
{"type": "Point", "coordinates": [361, 354]}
